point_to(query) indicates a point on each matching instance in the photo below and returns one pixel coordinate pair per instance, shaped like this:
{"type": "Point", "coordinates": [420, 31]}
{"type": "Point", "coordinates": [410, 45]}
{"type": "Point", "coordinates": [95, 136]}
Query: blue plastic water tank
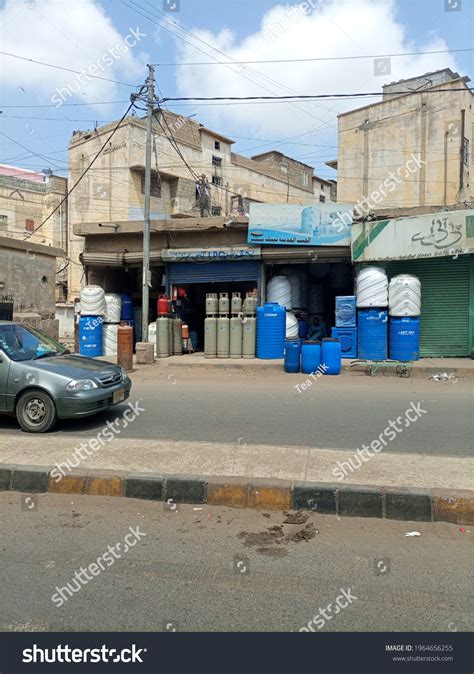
{"type": "Point", "coordinates": [271, 328]}
{"type": "Point", "coordinates": [126, 313]}
{"type": "Point", "coordinates": [310, 356]}
{"type": "Point", "coordinates": [348, 339]}
{"type": "Point", "coordinates": [404, 338]}
{"type": "Point", "coordinates": [372, 334]}
{"type": "Point", "coordinates": [346, 311]}
{"type": "Point", "coordinates": [90, 336]}
{"type": "Point", "coordinates": [302, 328]}
{"type": "Point", "coordinates": [331, 356]}
{"type": "Point", "coordinates": [292, 354]}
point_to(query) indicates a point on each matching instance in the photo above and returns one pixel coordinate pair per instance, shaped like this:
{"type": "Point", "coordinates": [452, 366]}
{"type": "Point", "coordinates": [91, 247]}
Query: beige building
{"type": "Point", "coordinates": [112, 191]}
{"type": "Point", "coordinates": [409, 153]}
{"type": "Point", "coordinates": [27, 198]}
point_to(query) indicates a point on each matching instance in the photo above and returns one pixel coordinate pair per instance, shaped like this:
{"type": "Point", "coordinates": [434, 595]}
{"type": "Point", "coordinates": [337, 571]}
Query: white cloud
{"type": "Point", "coordinates": [342, 28]}
{"type": "Point", "coordinates": [74, 34]}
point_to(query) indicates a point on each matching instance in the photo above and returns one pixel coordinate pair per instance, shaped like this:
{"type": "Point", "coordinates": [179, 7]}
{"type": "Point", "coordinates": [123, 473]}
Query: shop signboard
{"type": "Point", "coordinates": [304, 225]}
{"type": "Point", "coordinates": [445, 234]}
{"type": "Point", "coordinates": [213, 254]}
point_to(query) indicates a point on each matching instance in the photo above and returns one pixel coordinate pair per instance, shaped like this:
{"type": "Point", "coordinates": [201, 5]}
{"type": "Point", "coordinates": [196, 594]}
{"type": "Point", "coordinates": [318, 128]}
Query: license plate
{"type": "Point", "coordinates": [119, 395]}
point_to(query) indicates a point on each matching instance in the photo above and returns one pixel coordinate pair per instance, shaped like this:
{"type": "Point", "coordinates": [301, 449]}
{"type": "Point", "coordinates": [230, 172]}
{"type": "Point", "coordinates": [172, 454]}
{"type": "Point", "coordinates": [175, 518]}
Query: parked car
{"type": "Point", "coordinates": [42, 381]}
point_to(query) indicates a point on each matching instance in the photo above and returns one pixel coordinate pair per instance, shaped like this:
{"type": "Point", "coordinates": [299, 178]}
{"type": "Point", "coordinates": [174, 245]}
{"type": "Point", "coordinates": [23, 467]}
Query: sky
{"type": "Point", "coordinates": [114, 39]}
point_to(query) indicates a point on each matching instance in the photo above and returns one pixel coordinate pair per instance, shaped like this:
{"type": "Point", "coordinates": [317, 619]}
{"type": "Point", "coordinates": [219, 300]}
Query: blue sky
{"type": "Point", "coordinates": [76, 34]}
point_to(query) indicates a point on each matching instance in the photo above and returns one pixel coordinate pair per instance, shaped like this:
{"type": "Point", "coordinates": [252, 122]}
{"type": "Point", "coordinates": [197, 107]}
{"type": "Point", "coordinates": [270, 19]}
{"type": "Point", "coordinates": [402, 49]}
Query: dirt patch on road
{"type": "Point", "coordinates": [273, 541]}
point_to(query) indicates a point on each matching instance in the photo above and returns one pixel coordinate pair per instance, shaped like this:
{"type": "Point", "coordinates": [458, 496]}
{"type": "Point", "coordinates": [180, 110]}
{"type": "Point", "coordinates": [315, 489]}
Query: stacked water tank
{"type": "Point", "coordinates": [113, 309]}
{"type": "Point", "coordinates": [285, 290]}
{"type": "Point", "coordinates": [372, 315]}
{"type": "Point", "coordinates": [404, 306]}
{"type": "Point", "coordinates": [93, 310]}
{"type": "Point", "coordinates": [346, 325]}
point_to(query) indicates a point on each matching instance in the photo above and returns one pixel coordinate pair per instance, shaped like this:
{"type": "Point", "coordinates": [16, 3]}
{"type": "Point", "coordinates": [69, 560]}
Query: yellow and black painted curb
{"type": "Point", "coordinates": [411, 504]}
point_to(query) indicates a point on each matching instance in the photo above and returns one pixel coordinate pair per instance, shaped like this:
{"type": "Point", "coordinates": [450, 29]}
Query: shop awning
{"type": "Point", "coordinates": [302, 254]}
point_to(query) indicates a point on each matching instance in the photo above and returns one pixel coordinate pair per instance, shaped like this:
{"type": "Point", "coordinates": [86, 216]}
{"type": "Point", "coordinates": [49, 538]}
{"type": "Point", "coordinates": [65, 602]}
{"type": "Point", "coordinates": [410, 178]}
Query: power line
{"type": "Point", "coordinates": [69, 70]}
{"type": "Point", "coordinates": [65, 105]}
{"type": "Point", "coordinates": [322, 58]}
{"type": "Point", "coordinates": [82, 174]}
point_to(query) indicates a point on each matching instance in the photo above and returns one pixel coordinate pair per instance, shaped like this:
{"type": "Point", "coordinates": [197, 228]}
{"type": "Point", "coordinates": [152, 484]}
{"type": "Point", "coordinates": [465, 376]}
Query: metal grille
{"type": "Point", "coordinates": [110, 379]}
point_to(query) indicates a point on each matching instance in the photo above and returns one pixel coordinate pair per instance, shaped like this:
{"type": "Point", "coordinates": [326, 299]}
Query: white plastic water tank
{"type": "Point", "coordinates": [372, 288]}
{"type": "Point", "coordinates": [110, 337]}
{"type": "Point", "coordinates": [113, 307]}
{"type": "Point", "coordinates": [316, 299]}
{"type": "Point", "coordinates": [152, 334]}
{"type": "Point", "coordinates": [291, 325]}
{"type": "Point", "coordinates": [404, 296]}
{"type": "Point", "coordinates": [93, 301]}
{"type": "Point", "coordinates": [279, 291]}
{"type": "Point", "coordinates": [295, 282]}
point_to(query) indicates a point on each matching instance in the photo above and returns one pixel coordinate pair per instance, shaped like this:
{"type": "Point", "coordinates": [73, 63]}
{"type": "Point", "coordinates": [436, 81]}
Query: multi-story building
{"type": "Point", "coordinates": [27, 198]}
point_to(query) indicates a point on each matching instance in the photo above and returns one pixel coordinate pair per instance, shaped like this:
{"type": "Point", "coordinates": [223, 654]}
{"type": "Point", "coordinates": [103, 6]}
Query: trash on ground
{"type": "Point", "coordinates": [298, 517]}
{"type": "Point", "coordinates": [412, 533]}
{"type": "Point", "coordinates": [444, 376]}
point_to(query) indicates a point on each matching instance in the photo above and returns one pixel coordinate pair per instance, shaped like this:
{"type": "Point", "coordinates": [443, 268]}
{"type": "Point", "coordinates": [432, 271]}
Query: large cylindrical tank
{"type": "Point", "coordinates": [126, 313]}
{"type": "Point", "coordinates": [279, 291]}
{"type": "Point", "coordinates": [372, 334]}
{"type": "Point", "coordinates": [372, 288]}
{"type": "Point", "coordinates": [404, 296]}
{"type": "Point", "coordinates": [236, 303]}
{"type": "Point", "coordinates": [223, 336]}
{"type": "Point", "coordinates": [212, 303]}
{"type": "Point", "coordinates": [224, 304]}
{"type": "Point", "coordinates": [110, 337]}
{"type": "Point", "coordinates": [295, 283]}
{"type": "Point", "coordinates": [210, 337]}
{"type": "Point", "coordinates": [163, 342]}
{"type": "Point", "coordinates": [292, 327]}
{"type": "Point", "coordinates": [404, 338]}
{"type": "Point", "coordinates": [249, 336]}
{"type": "Point", "coordinates": [235, 350]}
{"type": "Point", "coordinates": [271, 324]}
{"type": "Point", "coordinates": [93, 301]}
{"type": "Point", "coordinates": [177, 338]}
{"type": "Point", "coordinates": [113, 307]}
{"type": "Point", "coordinates": [331, 356]}
{"type": "Point", "coordinates": [152, 335]}
{"type": "Point", "coordinates": [292, 354]}
{"type": "Point", "coordinates": [91, 336]}
{"type": "Point", "coordinates": [310, 356]}
{"type": "Point", "coordinates": [125, 346]}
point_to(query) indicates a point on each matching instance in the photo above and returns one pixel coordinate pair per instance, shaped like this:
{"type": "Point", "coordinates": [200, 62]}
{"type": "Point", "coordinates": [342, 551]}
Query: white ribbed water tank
{"type": "Point", "coordinates": [92, 301]}
{"type": "Point", "coordinates": [372, 288]}
{"type": "Point", "coordinates": [110, 337]}
{"type": "Point", "coordinates": [152, 334]}
{"type": "Point", "coordinates": [295, 283]}
{"type": "Point", "coordinates": [291, 325]}
{"type": "Point", "coordinates": [316, 299]}
{"type": "Point", "coordinates": [404, 296]}
{"type": "Point", "coordinates": [279, 291]}
{"type": "Point", "coordinates": [113, 307]}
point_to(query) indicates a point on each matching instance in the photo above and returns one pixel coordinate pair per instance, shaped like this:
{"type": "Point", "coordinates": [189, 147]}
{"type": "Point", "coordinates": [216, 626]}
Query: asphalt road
{"type": "Point", "coordinates": [184, 573]}
{"type": "Point", "coordinates": [266, 408]}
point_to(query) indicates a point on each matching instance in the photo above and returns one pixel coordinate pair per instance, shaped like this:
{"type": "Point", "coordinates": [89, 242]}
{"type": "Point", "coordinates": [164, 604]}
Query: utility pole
{"type": "Point", "coordinates": [146, 218]}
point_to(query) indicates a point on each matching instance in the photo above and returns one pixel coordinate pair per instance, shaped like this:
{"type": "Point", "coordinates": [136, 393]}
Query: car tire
{"type": "Point", "coordinates": [36, 412]}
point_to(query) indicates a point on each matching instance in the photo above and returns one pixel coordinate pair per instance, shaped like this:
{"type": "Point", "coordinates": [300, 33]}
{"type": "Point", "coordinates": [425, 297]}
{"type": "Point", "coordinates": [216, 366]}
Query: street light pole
{"type": "Point", "coordinates": [146, 215]}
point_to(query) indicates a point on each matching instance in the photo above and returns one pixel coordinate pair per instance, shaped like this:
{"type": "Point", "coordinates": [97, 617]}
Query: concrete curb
{"type": "Point", "coordinates": [417, 505]}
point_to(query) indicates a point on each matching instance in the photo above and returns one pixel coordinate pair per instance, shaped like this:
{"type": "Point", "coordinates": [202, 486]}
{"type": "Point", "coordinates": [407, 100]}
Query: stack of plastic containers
{"type": "Point", "coordinates": [372, 315]}
{"type": "Point", "coordinates": [93, 310]}
{"type": "Point", "coordinates": [404, 306]}
{"type": "Point", "coordinates": [346, 325]}
{"type": "Point", "coordinates": [113, 308]}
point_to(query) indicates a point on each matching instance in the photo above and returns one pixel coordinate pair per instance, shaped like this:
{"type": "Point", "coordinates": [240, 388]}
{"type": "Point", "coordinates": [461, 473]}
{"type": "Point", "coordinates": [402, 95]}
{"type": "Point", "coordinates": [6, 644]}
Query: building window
{"type": "Point", "coordinates": [216, 161]}
{"type": "Point", "coordinates": [216, 210]}
{"type": "Point", "coordinates": [216, 180]}
{"type": "Point", "coordinates": [3, 222]}
{"type": "Point", "coordinates": [304, 179]}
{"type": "Point", "coordinates": [217, 145]}
{"type": "Point", "coordinates": [322, 187]}
{"type": "Point", "coordinates": [465, 151]}
{"type": "Point", "coordinates": [29, 224]}
{"type": "Point", "coordinates": [322, 198]}
{"type": "Point", "coordinates": [155, 188]}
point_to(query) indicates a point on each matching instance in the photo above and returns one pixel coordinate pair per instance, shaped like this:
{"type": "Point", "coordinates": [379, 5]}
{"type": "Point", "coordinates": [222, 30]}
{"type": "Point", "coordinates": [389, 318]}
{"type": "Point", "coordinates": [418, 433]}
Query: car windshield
{"type": "Point", "coordinates": [23, 343]}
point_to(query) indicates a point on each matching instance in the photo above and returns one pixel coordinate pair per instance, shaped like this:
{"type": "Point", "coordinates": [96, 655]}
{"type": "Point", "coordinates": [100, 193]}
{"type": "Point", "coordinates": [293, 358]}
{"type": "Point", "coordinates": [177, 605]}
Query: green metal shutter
{"type": "Point", "coordinates": [445, 303]}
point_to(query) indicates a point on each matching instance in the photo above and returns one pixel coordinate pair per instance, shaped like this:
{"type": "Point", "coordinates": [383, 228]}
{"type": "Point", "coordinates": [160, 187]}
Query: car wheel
{"type": "Point", "coordinates": [36, 412]}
